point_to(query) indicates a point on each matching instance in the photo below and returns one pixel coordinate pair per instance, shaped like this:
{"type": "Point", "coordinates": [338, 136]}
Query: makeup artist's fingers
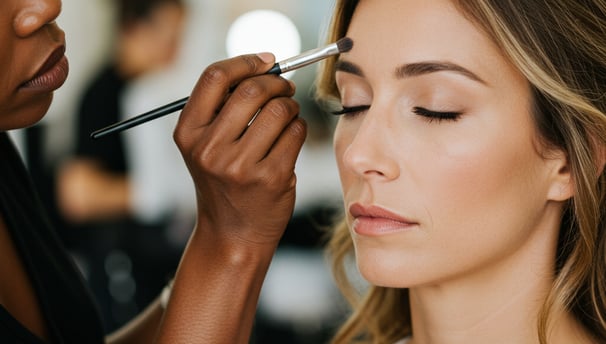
{"type": "Point", "coordinates": [215, 83]}
{"type": "Point", "coordinates": [286, 148]}
{"type": "Point", "coordinates": [268, 126]}
{"type": "Point", "coordinates": [247, 98]}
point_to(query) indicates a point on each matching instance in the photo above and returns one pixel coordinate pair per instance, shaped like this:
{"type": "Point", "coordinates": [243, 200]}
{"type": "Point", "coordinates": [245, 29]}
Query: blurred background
{"type": "Point", "coordinates": [125, 207]}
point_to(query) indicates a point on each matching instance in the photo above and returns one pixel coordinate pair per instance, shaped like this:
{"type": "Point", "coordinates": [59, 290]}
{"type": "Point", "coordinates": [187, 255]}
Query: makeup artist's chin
{"type": "Point", "coordinates": [27, 114]}
{"type": "Point", "coordinates": [35, 96]}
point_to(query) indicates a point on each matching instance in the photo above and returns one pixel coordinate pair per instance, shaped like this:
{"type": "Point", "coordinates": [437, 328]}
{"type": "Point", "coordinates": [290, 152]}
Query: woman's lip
{"type": "Point", "coordinates": [52, 74]}
{"type": "Point", "coordinates": [376, 221]}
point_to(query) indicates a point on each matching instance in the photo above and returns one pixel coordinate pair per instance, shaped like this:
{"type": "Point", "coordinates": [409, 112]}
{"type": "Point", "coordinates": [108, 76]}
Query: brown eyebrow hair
{"type": "Point", "coordinates": [419, 68]}
{"type": "Point", "coordinates": [413, 69]}
{"type": "Point", "coordinates": [348, 67]}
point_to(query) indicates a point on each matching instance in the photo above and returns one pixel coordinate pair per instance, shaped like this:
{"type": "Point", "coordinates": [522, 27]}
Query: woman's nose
{"type": "Point", "coordinates": [35, 14]}
{"type": "Point", "coordinates": [370, 153]}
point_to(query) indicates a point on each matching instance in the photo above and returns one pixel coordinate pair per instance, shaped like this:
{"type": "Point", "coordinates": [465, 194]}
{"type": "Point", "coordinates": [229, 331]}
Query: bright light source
{"type": "Point", "coordinates": [263, 30]}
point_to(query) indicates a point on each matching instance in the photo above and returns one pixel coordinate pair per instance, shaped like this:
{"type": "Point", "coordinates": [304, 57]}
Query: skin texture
{"type": "Point", "coordinates": [477, 199]}
{"type": "Point", "coordinates": [240, 172]}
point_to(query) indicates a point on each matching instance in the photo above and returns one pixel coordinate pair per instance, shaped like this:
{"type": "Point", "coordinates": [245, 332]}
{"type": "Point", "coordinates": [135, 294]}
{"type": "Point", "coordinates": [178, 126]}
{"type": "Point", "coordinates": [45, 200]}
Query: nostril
{"type": "Point", "coordinates": [375, 173]}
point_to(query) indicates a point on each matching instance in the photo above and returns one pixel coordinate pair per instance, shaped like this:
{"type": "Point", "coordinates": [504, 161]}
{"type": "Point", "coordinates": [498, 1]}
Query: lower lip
{"type": "Point", "coordinates": [51, 79]}
{"type": "Point", "coordinates": [378, 226]}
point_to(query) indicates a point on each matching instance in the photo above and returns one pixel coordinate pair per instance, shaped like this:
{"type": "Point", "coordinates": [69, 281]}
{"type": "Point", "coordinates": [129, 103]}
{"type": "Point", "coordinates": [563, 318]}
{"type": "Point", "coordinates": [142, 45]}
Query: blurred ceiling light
{"type": "Point", "coordinates": [264, 30]}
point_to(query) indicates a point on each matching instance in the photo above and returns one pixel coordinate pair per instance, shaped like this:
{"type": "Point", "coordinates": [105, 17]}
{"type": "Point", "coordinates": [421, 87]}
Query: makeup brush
{"type": "Point", "coordinates": [311, 56]}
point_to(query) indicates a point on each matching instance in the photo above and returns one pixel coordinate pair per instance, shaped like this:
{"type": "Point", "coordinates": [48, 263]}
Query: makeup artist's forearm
{"type": "Point", "coordinates": [215, 294]}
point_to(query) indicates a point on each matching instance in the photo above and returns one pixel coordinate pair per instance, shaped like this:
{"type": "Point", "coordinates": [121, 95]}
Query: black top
{"type": "Point", "coordinates": [100, 107]}
{"type": "Point", "coordinates": [65, 302]}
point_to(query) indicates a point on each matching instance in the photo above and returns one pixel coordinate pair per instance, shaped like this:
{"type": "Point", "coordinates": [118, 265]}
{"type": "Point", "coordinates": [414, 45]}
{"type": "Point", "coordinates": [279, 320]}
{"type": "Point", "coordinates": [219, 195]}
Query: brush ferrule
{"type": "Point", "coordinates": [308, 57]}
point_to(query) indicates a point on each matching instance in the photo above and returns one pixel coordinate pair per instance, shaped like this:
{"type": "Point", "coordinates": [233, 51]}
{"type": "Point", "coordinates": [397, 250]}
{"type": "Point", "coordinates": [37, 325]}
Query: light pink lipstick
{"type": "Point", "coordinates": [51, 75]}
{"type": "Point", "coordinates": [377, 221]}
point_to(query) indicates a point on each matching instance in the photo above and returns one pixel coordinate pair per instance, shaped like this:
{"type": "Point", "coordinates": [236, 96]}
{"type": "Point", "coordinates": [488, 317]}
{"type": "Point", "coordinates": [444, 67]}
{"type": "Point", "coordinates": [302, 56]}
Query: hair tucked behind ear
{"type": "Point", "coordinates": [560, 47]}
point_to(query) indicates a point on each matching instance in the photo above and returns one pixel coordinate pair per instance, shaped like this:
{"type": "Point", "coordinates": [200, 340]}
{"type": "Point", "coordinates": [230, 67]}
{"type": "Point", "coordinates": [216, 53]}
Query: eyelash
{"type": "Point", "coordinates": [351, 111]}
{"type": "Point", "coordinates": [436, 115]}
{"type": "Point", "coordinates": [430, 115]}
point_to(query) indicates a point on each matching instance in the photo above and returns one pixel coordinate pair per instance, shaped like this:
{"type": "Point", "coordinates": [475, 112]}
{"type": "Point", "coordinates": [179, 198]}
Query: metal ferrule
{"type": "Point", "coordinates": [308, 57]}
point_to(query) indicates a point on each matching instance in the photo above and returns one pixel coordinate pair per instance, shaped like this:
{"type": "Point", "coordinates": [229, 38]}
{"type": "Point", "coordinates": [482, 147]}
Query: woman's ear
{"type": "Point", "coordinates": [562, 182]}
{"type": "Point", "coordinates": [561, 187]}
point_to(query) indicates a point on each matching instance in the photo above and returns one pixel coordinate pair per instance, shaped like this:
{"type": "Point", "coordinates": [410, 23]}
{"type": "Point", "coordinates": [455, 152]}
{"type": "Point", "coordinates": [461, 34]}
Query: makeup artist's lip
{"type": "Point", "coordinates": [52, 74]}
{"type": "Point", "coordinates": [377, 221]}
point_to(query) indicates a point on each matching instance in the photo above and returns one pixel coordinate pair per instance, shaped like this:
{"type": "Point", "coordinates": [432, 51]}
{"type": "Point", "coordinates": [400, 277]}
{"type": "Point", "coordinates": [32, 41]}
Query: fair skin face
{"type": "Point", "coordinates": [463, 209]}
{"type": "Point", "coordinates": [239, 171]}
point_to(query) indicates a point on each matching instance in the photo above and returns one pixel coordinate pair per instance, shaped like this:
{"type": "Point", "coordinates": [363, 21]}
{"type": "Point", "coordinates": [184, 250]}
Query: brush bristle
{"type": "Point", "coordinates": [344, 44]}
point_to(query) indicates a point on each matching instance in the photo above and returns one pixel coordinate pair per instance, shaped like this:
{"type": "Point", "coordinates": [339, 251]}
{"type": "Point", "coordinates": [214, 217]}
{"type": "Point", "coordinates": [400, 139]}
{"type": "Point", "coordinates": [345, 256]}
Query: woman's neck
{"type": "Point", "coordinates": [498, 303]}
{"type": "Point", "coordinates": [462, 313]}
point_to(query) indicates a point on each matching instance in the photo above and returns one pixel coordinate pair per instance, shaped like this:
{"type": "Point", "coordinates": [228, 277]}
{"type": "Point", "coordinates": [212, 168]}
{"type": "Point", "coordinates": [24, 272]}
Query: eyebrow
{"type": "Point", "coordinates": [348, 67]}
{"type": "Point", "coordinates": [414, 69]}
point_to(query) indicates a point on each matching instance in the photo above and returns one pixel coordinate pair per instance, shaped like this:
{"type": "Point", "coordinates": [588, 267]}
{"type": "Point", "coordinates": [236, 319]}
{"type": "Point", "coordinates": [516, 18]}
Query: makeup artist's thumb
{"type": "Point", "coordinates": [267, 58]}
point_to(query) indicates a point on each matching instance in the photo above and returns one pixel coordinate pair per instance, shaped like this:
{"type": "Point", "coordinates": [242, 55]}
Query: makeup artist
{"type": "Point", "coordinates": [95, 190]}
{"type": "Point", "coordinates": [240, 172]}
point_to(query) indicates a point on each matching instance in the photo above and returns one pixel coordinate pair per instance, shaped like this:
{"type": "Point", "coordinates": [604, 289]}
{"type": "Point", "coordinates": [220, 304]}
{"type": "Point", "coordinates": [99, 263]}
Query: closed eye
{"type": "Point", "coordinates": [350, 111]}
{"type": "Point", "coordinates": [438, 116]}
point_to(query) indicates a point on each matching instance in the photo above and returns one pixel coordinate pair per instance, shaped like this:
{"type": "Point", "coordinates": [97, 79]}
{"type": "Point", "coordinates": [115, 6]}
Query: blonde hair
{"type": "Point", "coordinates": [560, 47]}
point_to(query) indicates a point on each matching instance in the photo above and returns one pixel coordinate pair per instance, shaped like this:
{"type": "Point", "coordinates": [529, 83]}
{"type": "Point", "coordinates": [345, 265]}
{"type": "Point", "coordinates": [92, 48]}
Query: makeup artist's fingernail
{"type": "Point", "coordinates": [266, 57]}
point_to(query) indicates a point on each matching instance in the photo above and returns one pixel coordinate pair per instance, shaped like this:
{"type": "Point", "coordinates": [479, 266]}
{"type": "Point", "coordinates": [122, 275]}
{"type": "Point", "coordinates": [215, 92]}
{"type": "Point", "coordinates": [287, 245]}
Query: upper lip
{"type": "Point", "coordinates": [51, 61]}
{"type": "Point", "coordinates": [358, 210]}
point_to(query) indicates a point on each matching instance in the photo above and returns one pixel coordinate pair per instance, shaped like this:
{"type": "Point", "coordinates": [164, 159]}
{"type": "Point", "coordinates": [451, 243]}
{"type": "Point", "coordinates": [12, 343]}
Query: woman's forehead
{"type": "Point", "coordinates": [392, 34]}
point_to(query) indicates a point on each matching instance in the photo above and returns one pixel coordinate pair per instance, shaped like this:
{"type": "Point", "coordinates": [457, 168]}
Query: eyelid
{"type": "Point", "coordinates": [432, 115]}
{"type": "Point", "coordinates": [351, 109]}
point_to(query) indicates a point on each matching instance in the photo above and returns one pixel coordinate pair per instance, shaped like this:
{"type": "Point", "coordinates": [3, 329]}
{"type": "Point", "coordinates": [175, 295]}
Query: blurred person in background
{"type": "Point", "coordinates": [116, 248]}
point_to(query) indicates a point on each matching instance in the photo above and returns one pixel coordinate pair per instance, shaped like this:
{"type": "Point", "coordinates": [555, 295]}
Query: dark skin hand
{"type": "Point", "coordinates": [245, 184]}
{"type": "Point", "coordinates": [242, 171]}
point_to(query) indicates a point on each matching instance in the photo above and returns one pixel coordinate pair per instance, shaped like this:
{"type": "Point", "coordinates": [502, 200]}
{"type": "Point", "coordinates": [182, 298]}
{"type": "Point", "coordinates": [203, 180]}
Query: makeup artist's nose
{"type": "Point", "coordinates": [34, 14]}
{"type": "Point", "coordinates": [370, 153]}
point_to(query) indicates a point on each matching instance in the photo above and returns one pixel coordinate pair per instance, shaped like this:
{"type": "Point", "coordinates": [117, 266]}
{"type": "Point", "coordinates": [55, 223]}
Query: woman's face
{"type": "Point", "coordinates": [32, 61]}
{"type": "Point", "coordinates": [441, 168]}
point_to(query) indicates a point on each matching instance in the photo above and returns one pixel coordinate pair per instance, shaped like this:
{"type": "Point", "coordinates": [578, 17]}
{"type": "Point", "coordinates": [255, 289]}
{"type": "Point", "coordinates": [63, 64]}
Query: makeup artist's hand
{"type": "Point", "coordinates": [245, 186]}
{"type": "Point", "coordinates": [244, 175]}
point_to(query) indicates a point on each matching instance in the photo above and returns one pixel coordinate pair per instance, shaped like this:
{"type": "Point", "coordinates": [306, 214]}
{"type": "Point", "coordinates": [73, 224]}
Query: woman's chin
{"type": "Point", "coordinates": [385, 274]}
